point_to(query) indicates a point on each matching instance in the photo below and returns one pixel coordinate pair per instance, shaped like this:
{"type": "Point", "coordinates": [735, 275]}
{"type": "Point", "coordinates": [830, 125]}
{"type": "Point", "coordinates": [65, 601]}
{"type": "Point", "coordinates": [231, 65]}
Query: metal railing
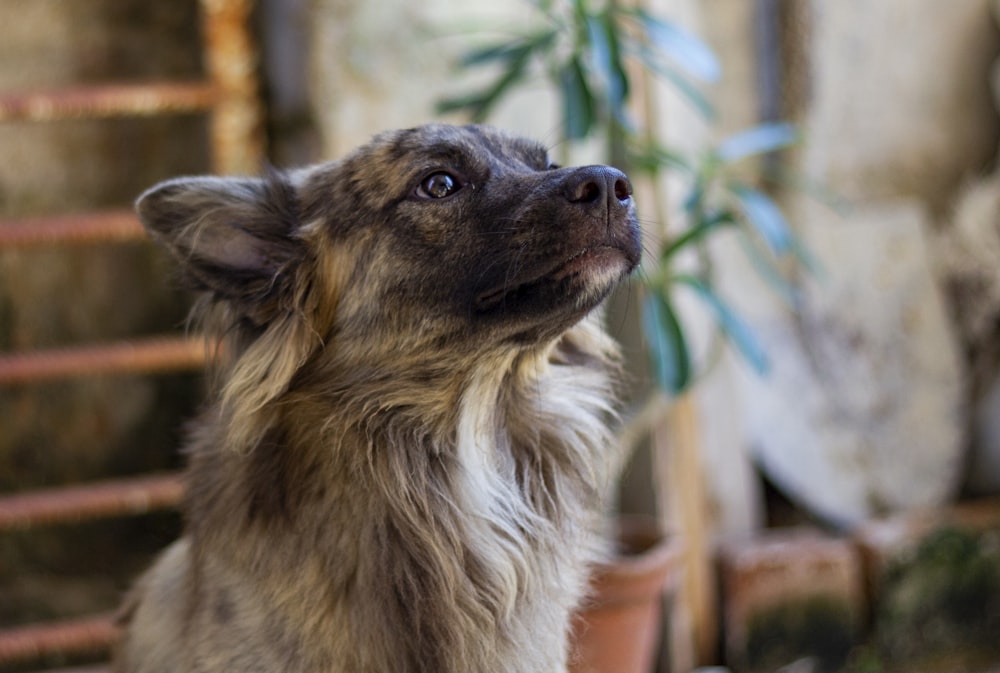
{"type": "Point", "coordinates": [228, 95]}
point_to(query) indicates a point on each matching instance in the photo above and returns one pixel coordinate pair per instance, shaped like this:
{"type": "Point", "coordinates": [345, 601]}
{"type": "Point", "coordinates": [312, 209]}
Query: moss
{"type": "Point", "coordinates": [868, 659]}
{"type": "Point", "coordinates": [944, 596]}
{"type": "Point", "coordinates": [818, 627]}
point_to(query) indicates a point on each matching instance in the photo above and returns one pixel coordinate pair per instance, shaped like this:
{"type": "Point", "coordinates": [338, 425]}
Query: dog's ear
{"type": "Point", "coordinates": [233, 237]}
{"type": "Point", "coordinates": [239, 241]}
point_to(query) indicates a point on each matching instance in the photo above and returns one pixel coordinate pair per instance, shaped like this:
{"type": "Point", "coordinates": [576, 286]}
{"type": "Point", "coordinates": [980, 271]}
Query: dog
{"type": "Point", "coordinates": [402, 464]}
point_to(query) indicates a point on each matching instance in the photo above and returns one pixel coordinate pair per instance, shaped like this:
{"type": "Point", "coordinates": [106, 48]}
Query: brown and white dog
{"type": "Point", "coordinates": [402, 465]}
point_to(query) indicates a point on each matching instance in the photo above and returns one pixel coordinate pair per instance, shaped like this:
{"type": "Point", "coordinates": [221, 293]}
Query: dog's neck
{"type": "Point", "coordinates": [473, 519]}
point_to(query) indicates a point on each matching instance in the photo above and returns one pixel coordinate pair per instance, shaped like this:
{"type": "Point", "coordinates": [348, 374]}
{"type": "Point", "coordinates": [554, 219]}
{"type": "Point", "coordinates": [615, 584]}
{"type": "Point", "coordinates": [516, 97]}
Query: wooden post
{"type": "Point", "coordinates": [680, 489]}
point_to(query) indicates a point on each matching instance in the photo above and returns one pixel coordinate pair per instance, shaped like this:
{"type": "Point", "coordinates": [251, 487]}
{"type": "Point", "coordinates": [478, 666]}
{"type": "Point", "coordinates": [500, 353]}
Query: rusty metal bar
{"type": "Point", "coordinates": [109, 100]}
{"type": "Point", "coordinates": [118, 226]}
{"type": "Point", "coordinates": [159, 354]}
{"type": "Point", "coordinates": [99, 668]}
{"type": "Point", "coordinates": [41, 641]}
{"type": "Point", "coordinates": [99, 500]}
{"type": "Point", "coordinates": [237, 120]}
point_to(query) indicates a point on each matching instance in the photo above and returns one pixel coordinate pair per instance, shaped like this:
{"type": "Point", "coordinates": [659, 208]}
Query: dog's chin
{"type": "Point", "coordinates": [561, 294]}
{"type": "Point", "coordinates": [595, 270]}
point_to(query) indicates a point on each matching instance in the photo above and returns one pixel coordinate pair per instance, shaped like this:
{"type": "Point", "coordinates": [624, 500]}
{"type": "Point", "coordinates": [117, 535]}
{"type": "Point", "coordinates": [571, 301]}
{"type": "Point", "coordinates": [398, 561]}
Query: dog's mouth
{"type": "Point", "coordinates": [595, 269]}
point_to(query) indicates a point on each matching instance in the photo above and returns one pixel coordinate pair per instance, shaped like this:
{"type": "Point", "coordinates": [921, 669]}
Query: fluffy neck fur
{"type": "Point", "coordinates": [447, 515]}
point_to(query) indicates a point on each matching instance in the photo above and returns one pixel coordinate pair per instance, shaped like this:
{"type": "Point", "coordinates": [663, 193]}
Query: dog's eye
{"type": "Point", "coordinates": [553, 166]}
{"type": "Point", "coordinates": [438, 186]}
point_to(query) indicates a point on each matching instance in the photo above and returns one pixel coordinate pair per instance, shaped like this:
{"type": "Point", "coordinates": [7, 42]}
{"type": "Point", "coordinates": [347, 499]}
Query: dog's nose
{"type": "Point", "coordinates": [599, 185]}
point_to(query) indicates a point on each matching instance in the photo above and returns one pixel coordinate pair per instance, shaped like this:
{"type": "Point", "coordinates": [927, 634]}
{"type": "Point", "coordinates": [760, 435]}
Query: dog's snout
{"type": "Point", "coordinates": [597, 184]}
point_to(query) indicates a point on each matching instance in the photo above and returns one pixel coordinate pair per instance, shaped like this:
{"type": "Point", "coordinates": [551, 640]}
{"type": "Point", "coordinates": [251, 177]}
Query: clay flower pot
{"type": "Point", "coordinates": [618, 629]}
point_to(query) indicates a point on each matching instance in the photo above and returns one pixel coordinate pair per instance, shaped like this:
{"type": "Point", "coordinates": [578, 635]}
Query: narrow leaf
{"type": "Point", "coordinates": [807, 259]}
{"type": "Point", "coordinates": [696, 233]}
{"type": "Point", "coordinates": [508, 51]}
{"type": "Point", "coordinates": [732, 325]}
{"type": "Point", "coordinates": [479, 105]}
{"type": "Point", "coordinates": [543, 40]}
{"type": "Point", "coordinates": [695, 199]}
{"type": "Point", "coordinates": [765, 216]}
{"type": "Point", "coordinates": [603, 38]}
{"type": "Point", "coordinates": [580, 11]}
{"type": "Point", "coordinates": [577, 100]}
{"type": "Point", "coordinates": [689, 91]}
{"type": "Point", "coordinates": [651, 159]}
{"type": "Point", "coordinates": [692, 94]}
{"type": "Point", "coordinates": [469, 102]}
{"type": "Point", "coordinates": [618, 77]}
{"type": "Point", "coordinates": [767, 271]}
{"type": "Point", "coordinates": [668, 349]}
{"type": "Point", "coordinates": [498, 52]}
{"type": "Point", "coordinates": [661, 156]}
{"type": "Point", "coordinates": [758, 140]}
{"type": "Point", "coordinates": [685, 49]}
{"type": "Point", "coordinates": [811, 187]}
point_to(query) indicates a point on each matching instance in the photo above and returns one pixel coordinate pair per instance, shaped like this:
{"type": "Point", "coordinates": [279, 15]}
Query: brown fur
{"type": "Point", "coordinates": [401, 469]}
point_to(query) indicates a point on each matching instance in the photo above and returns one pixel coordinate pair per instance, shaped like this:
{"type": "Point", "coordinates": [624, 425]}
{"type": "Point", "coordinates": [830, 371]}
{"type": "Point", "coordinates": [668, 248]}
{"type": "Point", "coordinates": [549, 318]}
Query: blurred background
{"type": "Point", "coordinates": [816, 408]}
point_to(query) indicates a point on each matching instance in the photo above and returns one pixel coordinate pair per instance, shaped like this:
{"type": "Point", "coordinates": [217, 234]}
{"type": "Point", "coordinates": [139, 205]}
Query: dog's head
{"type": "Point", "coordinates": [426, 240]}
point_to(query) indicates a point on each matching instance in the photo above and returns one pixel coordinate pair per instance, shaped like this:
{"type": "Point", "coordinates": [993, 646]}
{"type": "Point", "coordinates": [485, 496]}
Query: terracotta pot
{"type": "Point", "coordinates": [619, 628]}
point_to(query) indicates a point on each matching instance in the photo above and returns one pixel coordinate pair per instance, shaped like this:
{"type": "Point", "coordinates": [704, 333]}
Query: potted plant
{"type": "Point", "coordinates": [595, 54]}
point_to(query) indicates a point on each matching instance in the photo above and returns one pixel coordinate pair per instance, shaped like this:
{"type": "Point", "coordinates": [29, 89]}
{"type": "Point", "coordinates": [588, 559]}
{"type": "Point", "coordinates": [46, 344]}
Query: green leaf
{"type": "Point", "coordinates": [479, 105]}
{"type": "Point", "coordinates": [577, 100]}
{"type": "Point", "coordinates": [506, 51]}
{"type": "Point", "coordinates": [765, 216]}
{"type": "Point", "coordinates": [668, 349]}
{"type": "Point", "coordinates": [807, 259]}
{"type": "Point", "coordinates": [690, 92]}
{"type": "Point", "coordinates": [603, 37]}
{"type": "Point", "coordinates": [694, 202]}
{"type": "Point", "coordinates": [671, 158]}
{"type": "Point", "coordinates": [685, 49]}
{"type": "Point", "coordinates": [769, 273]}
{"type": "Point", "coordinates": [652, 157]}
{"type": "Point", "coordinates": [812, 188]}
{"type": "Point", "coordinates": [758, 140]}
{"type": "Point", "coordinates": [697, 232]}
{"type": "Point", "coordinates": [470, 102]}
{"type": "Point", "coordinates": [732, 325]}
{"type": "Point", "coordinates": [580, 11]}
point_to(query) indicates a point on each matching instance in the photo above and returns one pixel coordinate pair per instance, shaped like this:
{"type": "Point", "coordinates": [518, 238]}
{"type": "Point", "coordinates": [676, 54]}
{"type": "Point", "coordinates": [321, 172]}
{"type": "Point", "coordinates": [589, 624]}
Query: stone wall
{"type": "Point", "coordinates": [867, 410]}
